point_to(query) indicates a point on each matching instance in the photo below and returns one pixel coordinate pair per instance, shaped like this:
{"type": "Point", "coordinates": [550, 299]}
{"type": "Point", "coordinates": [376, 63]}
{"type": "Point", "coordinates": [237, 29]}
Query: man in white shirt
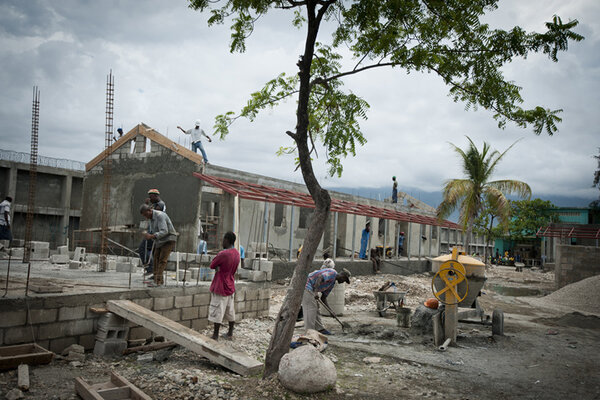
{"type": "Point", "coordinates": [5, 233]}
{"type": "Point", "coordinates": [197, 134]}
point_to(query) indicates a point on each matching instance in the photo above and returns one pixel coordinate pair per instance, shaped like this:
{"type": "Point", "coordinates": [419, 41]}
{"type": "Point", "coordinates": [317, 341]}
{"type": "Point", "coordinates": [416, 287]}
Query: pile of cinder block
{"type": "Point", "coordinates": [111, 337]}
{"type": "Point", "coordinates": [61, 257]}
{"type": "Point", "coordinates": [259, 268]}
{"type": "Point", "coordinates": [39, 251]}
{"type": "Point", "coordinates": [192, 260]}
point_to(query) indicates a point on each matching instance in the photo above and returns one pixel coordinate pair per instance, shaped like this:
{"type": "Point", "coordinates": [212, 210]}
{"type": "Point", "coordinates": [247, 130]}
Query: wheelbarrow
{"type": "Point", "coordinates": [386, 300]}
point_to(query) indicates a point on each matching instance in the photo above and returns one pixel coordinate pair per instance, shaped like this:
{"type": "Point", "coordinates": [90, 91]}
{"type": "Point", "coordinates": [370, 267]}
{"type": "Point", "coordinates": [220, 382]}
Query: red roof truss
{"type": "Point", "coordinates": [579, 232]}
{"type": "Point", "coordinates": [252, 191]}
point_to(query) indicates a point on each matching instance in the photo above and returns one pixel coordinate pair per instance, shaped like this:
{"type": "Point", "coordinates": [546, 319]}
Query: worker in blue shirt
{"type": "Point", "coordinates": [364, 241]}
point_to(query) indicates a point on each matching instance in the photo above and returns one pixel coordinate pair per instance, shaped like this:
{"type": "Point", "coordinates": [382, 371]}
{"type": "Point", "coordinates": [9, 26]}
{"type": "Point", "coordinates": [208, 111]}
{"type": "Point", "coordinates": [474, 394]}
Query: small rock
{"type": "Point", "coordinates": [74, 356]}
{"type": "Point", "coordinates": [372, 360]}
{"type": "Point", "coordinates": [162, 355]}
{"type": "Point", "coordinates": [14, 394]}
{"type": "Point", "coordinates": [145, 358]}
{"type": "Point", "coordinates": [74, 348]}
{"type": "Point", "coordinates": [75, 364]}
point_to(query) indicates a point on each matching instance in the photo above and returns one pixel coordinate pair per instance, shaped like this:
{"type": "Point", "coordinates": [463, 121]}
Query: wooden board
{"type": "Point", "coordinates": [216, 352]}
{"type": "Point", "coordinates": [118, 388]}
{"type": "Point", "coordinates": [32, 354]}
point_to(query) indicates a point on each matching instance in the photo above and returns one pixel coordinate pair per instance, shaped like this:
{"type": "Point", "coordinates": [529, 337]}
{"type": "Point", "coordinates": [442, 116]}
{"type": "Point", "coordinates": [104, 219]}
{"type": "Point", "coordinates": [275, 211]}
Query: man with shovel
{"type": "Point", "coordinates": [320, 281]}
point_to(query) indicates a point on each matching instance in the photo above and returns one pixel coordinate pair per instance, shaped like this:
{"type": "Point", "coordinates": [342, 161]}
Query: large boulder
{"type": "Point", "coordinates": [306, 370]}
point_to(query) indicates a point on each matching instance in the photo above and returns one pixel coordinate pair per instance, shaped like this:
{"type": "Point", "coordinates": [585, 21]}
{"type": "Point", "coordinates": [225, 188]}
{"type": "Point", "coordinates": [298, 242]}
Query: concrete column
{"type": "Point", "coordinates": [12, 191]}
{"type": "Point", "coordinates": [408, 240]}
{"type": "Point", "coordinates": [439, 240]}
{"type": "Point", "coordinates": [353, 237]}
{"type": "Point", "coordinates": [385, 229]}
{"type": "Point", "coordinates": [292, 233]}
{"type": "Point", "coordinates": [335, 231]}
{"type": "Point", "coordinates": [66, 205]}
{"type": "Point", "coordinates": [420, 240]}
{"type": "Point", "coordinates": [429, 238]}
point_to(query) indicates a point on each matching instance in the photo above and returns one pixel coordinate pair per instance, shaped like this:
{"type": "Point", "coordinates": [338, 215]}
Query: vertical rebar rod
{"type": "Point", "coordinates": [33, 160]}
{"type": "Point", "coordinates": [108, 135]}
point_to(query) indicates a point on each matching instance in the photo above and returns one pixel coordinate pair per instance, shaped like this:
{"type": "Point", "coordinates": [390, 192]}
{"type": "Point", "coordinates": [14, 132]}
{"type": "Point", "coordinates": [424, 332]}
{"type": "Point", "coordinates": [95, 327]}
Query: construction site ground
{"type": "Point", "coordinates": [550, 350]}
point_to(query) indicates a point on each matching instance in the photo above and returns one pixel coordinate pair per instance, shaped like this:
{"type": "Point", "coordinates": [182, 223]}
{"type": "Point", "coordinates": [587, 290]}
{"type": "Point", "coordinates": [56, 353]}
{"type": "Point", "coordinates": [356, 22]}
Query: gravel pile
{"type": "Point", "coordinates": [581, 296]}
{"type": "Point", "coordinates": [359, 294]}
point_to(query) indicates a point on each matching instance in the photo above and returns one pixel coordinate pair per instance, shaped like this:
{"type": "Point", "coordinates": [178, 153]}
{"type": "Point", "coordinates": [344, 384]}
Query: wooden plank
{"type": "Point", "coordinates": [118, 393]}
{"type": "Point", "coordinates": [134, 392]}
{"type": "Point", "coordinates": [32, 354]}
{"type": "Point", "coordinates": [85, 391]}
{"type": "Point", "coordinates": [149, 347]}
{"type": "Point", "coordinates": [216, 352]}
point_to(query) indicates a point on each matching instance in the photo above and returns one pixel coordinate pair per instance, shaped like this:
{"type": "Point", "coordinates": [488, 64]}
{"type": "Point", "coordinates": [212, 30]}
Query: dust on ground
{"type": "Point", "coordinates": [547, 352]}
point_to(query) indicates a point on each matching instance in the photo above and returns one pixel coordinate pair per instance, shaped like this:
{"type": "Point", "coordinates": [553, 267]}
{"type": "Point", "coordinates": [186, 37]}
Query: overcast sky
{"type": "Point", "coordinates": [170, 69]}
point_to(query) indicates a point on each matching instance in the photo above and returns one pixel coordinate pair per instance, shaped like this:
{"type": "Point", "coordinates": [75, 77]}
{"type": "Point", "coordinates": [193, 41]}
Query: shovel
{"type": "Point", "coordinates": [345, 325]}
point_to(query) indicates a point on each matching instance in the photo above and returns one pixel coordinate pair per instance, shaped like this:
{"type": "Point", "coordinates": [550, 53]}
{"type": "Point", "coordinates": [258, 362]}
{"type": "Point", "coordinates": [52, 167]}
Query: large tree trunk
{"type": "Point", "coordinates": [286, 319]}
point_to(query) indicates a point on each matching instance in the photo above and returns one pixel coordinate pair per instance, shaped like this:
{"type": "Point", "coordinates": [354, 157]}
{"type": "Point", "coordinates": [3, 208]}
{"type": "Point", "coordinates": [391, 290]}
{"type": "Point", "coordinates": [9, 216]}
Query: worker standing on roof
{"type": "Point", "coordinates": [394, 190]}
{"type": "Point", "coordinates": [197, 134]}
{"type": "Point", "coordinates": [364, 241]}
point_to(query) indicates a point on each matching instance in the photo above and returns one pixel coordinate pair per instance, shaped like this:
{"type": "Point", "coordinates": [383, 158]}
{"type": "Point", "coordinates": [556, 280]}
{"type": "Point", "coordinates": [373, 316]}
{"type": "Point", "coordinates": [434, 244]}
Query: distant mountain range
{"type": "Point", "coordinates": [435, 198]}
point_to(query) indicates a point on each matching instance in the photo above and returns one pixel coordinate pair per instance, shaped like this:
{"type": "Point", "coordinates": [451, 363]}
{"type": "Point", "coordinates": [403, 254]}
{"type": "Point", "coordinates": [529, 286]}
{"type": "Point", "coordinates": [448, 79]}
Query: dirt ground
{"type": "Point", "coordinates": [545, 353]}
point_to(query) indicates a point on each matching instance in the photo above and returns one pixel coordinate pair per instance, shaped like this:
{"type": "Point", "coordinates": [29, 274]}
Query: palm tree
{"type": "Point", "coordinates": [470, 193]}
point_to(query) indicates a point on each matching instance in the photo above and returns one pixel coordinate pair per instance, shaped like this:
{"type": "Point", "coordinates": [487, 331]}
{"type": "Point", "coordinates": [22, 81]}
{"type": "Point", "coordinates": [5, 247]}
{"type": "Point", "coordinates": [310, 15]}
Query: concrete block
{"type": "Point", "coordinates": [17, 253]}
{"type": "Point", "coordinates": [174, 256]}
{"type": "Point", "coordinates": [135, 261]}
{"type": "Point", "coordinates": [111, 265]}
{"type": "Point", "coordinates": [63, 250]}
{"type": "Point", "coordinates": [13, 318]}
{"type": "Point", "coordinates": [71, 313]}
{"type": "Point", "coordinates": [187, 275]}
{"type": "Point", "coordinates": [42, 316]}
{"type": "Point", "coordinates": [109, 348]}
{"type": "Point", "coordinates": [17, 243]}
{"type": "Point", "coordinates": [173, 315]}
{"type": "Point", "coordinates": [67, 328]}
{"type": "Point", "coordinates": [251, 294]}
{"type": "Point", "coordinates": [240, 296]}
{"type": "Point", "coordinates": [240, 307]}
{"type": "Point", "coordinates": [251, 314]}
{"type": "Point", "coordinates": [251, 305]}
{"type": "Point", "coordinates": [194, 272]}
{"type": "Point", "coordinates": [203, 311]}
{"type": "Point", "coordinates": [79, 254]}
{"type": "Point", "coordinates": [199, 324]}
{"type": "Point", "coordinates": [111, 321]}
{"type": "Point", "coordinates": [163, 303]}
{"type": "Point", "coordinates": [262, 265]}
{"type": "Point", "coordinates": [122, 259]}
{"type": "Point", "coordinates": [269, 276]}
{"type": "Point", "coordinates": [244, 273]}
{"type": "Point", "coordinates": [139, 332]}
{"type": "Point", "coordinates": [202, 299]}
{"type": "Point", "coordinates": [59, 259]}
{"type": "Point", "coordinates": [58, 345]}
{"type": "Point", "coordinates": [264, 294]}
{"type": "Point", "coordinates": [112, 333]}
{"type": "Point", "coordinates": [189, 313]}
{"type": "Point", "coordinates": [40, 250]}
{"type": "Point", "coordinates": [75, 264]}
{"type": "Point", "coordinates": [125, 267]}
{"type": "Point", "coordinates": [20, 334]}
{"type": "Point", "coordinates": [184, 301]}
{"type": "Point", "coordinates": [91, 258]}
{"type": "Point", "coordinates": [146, 303]}
{"type": "Point", "coordinates": [258, 276]}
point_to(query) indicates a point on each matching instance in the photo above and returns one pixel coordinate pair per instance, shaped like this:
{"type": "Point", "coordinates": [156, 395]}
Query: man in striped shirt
{"type": "Point", "coordinates": [320, 281]}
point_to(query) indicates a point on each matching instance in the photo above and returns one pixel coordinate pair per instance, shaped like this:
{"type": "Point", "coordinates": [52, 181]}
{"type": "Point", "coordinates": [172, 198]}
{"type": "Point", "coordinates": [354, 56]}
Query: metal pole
{"type": "Point", "coordinates": [397, 239]}
{"type": "Point", "coordinates": [353, 237]}
{"type": "Point", "coordinates": [420, 239]}
{"type": "Point", "coordinates": [268, 230]}
{"type": "Point", "coordinates": [265, 222]}
{"type": "Point", "coordinates": [7, 274]}
{"type": "Point", "coordinates": [335, 231]}
{"type": "Point", "coordinates": [292, 233]}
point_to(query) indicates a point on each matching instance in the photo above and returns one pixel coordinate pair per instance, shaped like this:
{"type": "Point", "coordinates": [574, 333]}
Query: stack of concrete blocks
{"type": "Point", "coordinates": [261, 267]}
{"type": "Point", "coordinates": [78, 259]}
{"type": "Point", "coordinates": [62, 256]}
{"type": "Point", "coordinates": [40, 251]}
{"type": "Point", "coordinates": [111, 336]}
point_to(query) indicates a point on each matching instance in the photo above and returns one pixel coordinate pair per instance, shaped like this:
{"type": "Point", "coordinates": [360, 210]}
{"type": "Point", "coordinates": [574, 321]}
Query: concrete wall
{"type": "Point", "coordinates": [57, 321]}
{"type": "Point", "coordinates": [574, 263]}
{"type": "Point", "coordinates": [57, 200]}
{"type": "Point", "coordinates": [133, 174]}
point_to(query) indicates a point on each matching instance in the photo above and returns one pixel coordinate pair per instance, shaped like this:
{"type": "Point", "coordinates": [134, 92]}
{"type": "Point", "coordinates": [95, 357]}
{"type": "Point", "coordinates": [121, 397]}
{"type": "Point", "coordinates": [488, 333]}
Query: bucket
{"type": "Point", "coordinates": [335, 300]}
{"type": "Point", "coordinates": [403, 317]}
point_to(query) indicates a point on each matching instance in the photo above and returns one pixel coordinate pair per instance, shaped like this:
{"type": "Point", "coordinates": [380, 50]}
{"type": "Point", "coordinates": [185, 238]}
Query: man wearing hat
{"type": "Point", "coordinates": [145, 247]}
{"type": "Point", "coordinates": [162, 232]}
{"type": "Point", "coordinates": [197, 134]}
{"type": "Point", "coordinates": [320, 281]}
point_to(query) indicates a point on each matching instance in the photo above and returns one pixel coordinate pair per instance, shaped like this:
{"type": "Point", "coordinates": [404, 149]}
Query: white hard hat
{"type": "Point", "coordinates": [198, 122]}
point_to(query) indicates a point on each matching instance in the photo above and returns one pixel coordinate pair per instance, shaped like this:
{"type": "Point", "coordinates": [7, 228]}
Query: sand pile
{"type": "Point", "coordinates": [581, 296]}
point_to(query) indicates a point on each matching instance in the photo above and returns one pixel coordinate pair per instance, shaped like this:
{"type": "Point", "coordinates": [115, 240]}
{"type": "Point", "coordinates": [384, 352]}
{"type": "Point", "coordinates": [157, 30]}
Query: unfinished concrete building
{"type": "Point", "coordinates": [58, 195]}
{"type": "Point", "coordinates": [270, 210]}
